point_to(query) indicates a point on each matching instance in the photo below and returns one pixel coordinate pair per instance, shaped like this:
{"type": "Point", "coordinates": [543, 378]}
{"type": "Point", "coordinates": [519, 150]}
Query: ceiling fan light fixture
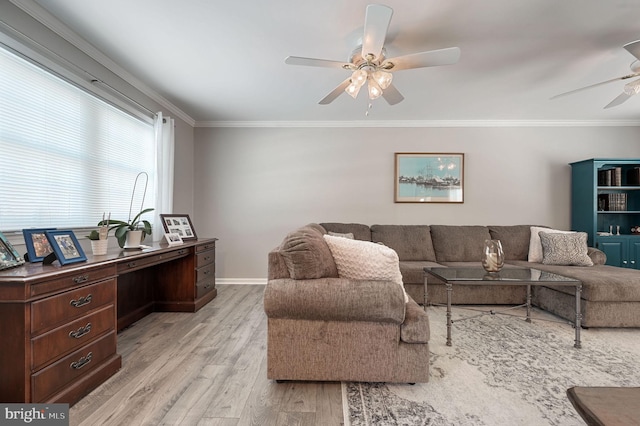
{"type": "Point", "coordinates": [359, 77]}
{"type": "Point", "coordinates": [383, 78]}
{"type": "Point", "coordinates": [353, 89]}
{"type": "Point", "coordinates": [374, 89]}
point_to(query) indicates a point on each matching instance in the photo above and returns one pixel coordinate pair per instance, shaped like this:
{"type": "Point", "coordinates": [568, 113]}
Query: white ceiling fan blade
{"type": "Point", "coordinates": [335, 92]}
{"type": "Point", "coordinates": [312, 62]}
{"type": "Point", "coordinates": [633, 48]}
{"type": "Point", "coordinates": [391, 95]}
{"type": "Point", "coordinates": [432, 58]}
{"type": "Point", "coordinates": [595, 85]}
{"type": "Point", "coordinates": [618, 100]}
{"type": "Point", "coordinates": [376, 24]}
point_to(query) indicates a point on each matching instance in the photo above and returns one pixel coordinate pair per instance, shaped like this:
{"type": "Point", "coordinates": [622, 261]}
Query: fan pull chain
{"type": "Point", "coordinates": [370, 106]}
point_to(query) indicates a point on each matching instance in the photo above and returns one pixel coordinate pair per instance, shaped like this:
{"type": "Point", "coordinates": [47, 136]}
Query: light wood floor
{"type": "Point", "coordinates": [205, 368]}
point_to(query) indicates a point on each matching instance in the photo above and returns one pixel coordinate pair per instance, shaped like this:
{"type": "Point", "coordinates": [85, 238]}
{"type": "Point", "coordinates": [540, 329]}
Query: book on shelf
{"type": "Point", "coordinates": [616, 176]}
{"type": "Point", "coordinates": [633, 176]}
{"type": "Point", "coordinates": [605, 177]}
{"type": "Point", "coordinates": [615, 202]}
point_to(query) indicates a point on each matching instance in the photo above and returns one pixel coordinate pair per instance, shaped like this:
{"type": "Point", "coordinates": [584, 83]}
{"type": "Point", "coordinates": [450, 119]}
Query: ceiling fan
{"type": "Point", "coordinates": [630, 89]}
{"type": "Point", "coordinates": [368, 63]}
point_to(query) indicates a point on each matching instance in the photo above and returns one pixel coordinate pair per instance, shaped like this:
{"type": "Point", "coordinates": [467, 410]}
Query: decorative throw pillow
{"type": "Point", "coordinates": [307, 255]}
{"type": "Point", "coordinates": [364, 260]}
{"type": "Point", "coordinates": [565, 249]}
{"type": "Point", "coordinates": [535, 247]}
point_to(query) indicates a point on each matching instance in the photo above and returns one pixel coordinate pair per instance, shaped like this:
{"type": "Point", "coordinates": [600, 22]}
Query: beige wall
{"type": "Point", "coordinates": [253, 185]}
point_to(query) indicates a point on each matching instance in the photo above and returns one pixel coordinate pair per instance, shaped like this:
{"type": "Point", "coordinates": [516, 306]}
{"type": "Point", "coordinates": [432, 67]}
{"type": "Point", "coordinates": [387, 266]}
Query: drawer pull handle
{"type": "Point", "coordinates": [77, 365]}
{"type": "Point", "coordinates": [207, 258]}
{"type": "Point", "coordinates": [81, 279]}
{"type": "Point", "coordinates": [81, 331]}
{"type": "Point", "coordinates": [81, 301]}
{"type": "Point", "coordinates": [131, 264]}
{"type": "Point", "coordinates": [183, 251]}
{"type": "Point", "coordinates": [207, 286]}
{"type": "Point", "coordinates": [206, 272]}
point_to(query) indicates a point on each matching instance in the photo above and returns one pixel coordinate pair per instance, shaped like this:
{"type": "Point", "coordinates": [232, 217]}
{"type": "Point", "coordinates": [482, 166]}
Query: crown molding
{"type": "Point", "coordinates": [48, 20]}
{"type": "Point", "coordinates": [424, 123]}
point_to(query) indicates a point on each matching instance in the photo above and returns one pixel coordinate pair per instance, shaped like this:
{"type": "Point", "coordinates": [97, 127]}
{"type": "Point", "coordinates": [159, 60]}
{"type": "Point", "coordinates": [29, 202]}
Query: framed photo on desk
{"type": "Point", "coordinates": [38, 246]}
{"type": "Point", "coordinates": [66, 247]}
{"type": "Point", "coordinates": [9, 257]}
{"type": "Point", "coordinates": [179, 224]}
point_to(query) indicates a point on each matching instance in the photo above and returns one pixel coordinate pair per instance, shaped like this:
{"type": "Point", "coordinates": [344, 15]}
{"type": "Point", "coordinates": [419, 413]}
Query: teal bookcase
{"type": "Point", "coordinates": [605, 197]}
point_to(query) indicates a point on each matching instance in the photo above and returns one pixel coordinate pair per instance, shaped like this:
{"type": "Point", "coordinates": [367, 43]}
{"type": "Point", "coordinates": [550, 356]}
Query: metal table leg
{"type": "Point", "coordinates": [449, 291]}
{"type": "Point", "coordinates": [528, 303]}
{"type": "Point", "coordinates": [578, 315]}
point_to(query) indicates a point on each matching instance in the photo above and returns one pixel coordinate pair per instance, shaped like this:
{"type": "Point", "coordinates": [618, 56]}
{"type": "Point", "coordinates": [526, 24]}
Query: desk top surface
{"type": "Point", "coordinates": [114, 255]}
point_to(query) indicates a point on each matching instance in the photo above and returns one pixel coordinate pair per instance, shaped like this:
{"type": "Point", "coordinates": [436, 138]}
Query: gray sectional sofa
{"type": "Point", "coordinates": [324, 327]}
{"type": "Point", "coordinates": [610, 295]}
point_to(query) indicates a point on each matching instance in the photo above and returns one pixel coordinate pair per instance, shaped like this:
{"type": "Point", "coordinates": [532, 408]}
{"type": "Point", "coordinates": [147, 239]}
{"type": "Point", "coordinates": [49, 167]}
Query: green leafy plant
{"type": "Point", "coordinates": [94, 235]}
{"type": "Point", "coordinates": [121, 227]}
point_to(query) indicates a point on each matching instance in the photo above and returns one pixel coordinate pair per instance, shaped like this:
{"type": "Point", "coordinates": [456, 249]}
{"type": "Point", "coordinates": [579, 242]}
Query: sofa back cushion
{"type": "Point", "coordinates": [459, 243]}
{"type": "Point", "coordinates": [411, 242]}
{"type": "Point", "coordinates": [307, 255]}
{"type": "Point", "coordinates": [359, 231]}
{"type": "Point", "coordinates": [515, 240]}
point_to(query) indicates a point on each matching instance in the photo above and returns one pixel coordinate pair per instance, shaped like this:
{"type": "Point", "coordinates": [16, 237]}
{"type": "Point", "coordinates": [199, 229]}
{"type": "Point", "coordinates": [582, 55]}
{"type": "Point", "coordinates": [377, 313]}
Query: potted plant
{"type": "Point", "coordinates": [98, 245]}
{"type": "Point", "coordinates": [130, 234]}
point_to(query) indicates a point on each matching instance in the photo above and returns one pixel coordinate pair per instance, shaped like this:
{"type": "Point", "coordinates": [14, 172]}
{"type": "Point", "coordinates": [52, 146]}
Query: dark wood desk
{"type": "Point", "coordinates": [59, 324]}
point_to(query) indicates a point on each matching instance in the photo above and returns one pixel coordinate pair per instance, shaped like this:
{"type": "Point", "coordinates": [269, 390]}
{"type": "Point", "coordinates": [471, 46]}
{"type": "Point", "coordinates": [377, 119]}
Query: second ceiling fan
{"type": "Point", "coordinates": [369, 65]}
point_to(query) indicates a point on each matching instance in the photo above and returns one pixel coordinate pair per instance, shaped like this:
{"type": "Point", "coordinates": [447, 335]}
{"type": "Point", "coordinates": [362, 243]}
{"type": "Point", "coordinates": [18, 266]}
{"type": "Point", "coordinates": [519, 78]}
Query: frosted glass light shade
{"type": "Point", "coordinates": [374, 89]}
{"type": "Point", "coordinates": [383, 78]}
{"type": "Point", "coordinates": [632, 88]}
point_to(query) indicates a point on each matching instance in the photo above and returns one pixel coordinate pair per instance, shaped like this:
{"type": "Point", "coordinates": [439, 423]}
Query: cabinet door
{"type": "Point", "coordinates": [634, 252]}
{"type": "Point", "coordinates": [615, 249]}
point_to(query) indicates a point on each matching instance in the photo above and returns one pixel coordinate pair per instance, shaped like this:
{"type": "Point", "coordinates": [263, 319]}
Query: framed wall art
{"type": "Point", "coordinates": [179, 224]}
{"type": "Point", "coordinates": [9, 257]}
{"type": "Point", "coordinates": [65, 246]}
{"type": "Point", "coordinates": [429, 177]}
{"type": "Point", "coordinates": [38, 246]}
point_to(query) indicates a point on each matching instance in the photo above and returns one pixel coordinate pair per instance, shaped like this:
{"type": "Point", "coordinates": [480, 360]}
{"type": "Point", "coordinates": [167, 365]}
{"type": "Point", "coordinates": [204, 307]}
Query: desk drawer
{"type": "Point", "coordinates": [205, 272]}
{"type": "Point", "coordinates": [142, 262]}
{"type": "Point", "coordinates": [205, 258]}
{"type": "Point", "coordinates": [74, 279]}
{"type": "Point", "coordinates": [70, 368]}
{"type": "Point", "coordinates": [52, 311]}
{"type": "Point", "coordinates": [205, 287]}
{"type": "Point", "coordinates": [49, 346]}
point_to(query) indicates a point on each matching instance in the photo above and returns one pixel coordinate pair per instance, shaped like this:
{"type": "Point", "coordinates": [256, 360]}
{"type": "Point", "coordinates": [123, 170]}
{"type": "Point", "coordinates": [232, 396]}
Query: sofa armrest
{"type": "Point", "coordinates": [415, 328]}
{"type": "Point", "coordinates": [598, 257]}
{"type": "Point", "coordinates": [335, 299]}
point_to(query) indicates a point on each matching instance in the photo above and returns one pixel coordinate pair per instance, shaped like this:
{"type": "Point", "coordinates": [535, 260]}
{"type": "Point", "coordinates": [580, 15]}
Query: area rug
{"type": "Point", "coordinates": [500, 370]}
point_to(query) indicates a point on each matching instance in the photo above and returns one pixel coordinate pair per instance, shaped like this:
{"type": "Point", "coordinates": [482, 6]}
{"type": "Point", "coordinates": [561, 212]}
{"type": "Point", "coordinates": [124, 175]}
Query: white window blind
{"type": "Point", "coordinates": [66, 156]}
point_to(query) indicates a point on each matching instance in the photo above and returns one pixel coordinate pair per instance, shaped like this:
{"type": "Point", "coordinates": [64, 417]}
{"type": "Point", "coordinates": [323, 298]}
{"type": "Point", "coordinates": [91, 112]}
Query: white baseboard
{"type": "Point", "coordinates": [242, 281]}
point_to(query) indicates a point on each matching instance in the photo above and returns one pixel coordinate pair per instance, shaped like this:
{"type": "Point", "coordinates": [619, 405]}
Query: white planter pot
{"type": "Point", "coordinates": [134, 239]}
{"type": "Point", "coordinates": [99, 247]}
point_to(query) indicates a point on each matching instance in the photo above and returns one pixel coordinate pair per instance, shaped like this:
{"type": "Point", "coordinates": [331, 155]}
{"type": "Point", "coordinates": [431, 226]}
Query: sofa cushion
{"type": "Point", "coordinates": [307, 255]}
{"type": "Point", "coordinates": [413, 270]}
{"type": "Point", "coordinates": [459, 243]}
{"type": "Point", "coordinates": [514, 239]}
{"type": "Point", "coordinates": [535, 246]}
{"type": "Point", "coordinates": [364, 260]}
{"type": "Point", "coordinates": [359, 231]}
{"type": "Point", "coordinates": [348, 235]}
{"type": "Point", "coordinates": [598, 257]}
{"type": "Point", "coordinates": [411, 242]}
{"type": "Point", "coordinates": [565, 249]}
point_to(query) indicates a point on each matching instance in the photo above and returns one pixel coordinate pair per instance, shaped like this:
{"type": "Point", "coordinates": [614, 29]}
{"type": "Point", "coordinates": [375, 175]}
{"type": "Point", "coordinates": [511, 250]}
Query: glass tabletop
{"type": "Point", "coordinates": [477, 273]}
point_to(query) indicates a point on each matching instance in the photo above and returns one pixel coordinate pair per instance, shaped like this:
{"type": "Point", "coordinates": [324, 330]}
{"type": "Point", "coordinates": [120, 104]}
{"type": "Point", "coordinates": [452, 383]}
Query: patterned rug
{"type": "Point", "coordinates": [500, 370]}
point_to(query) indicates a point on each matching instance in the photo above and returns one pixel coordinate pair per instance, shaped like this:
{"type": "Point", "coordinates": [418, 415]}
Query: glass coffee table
{"type": "Point", "coordinates": [452, 276]}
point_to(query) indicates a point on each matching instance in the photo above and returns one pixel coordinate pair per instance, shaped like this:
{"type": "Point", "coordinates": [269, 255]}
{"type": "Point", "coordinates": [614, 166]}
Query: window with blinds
{"type": "Point", "coordinates": [66, 156]}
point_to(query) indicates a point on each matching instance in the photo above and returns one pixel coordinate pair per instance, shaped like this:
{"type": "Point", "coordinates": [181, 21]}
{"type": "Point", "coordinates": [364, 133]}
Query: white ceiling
{"type": "Point", "coordinates": [224, 60]}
